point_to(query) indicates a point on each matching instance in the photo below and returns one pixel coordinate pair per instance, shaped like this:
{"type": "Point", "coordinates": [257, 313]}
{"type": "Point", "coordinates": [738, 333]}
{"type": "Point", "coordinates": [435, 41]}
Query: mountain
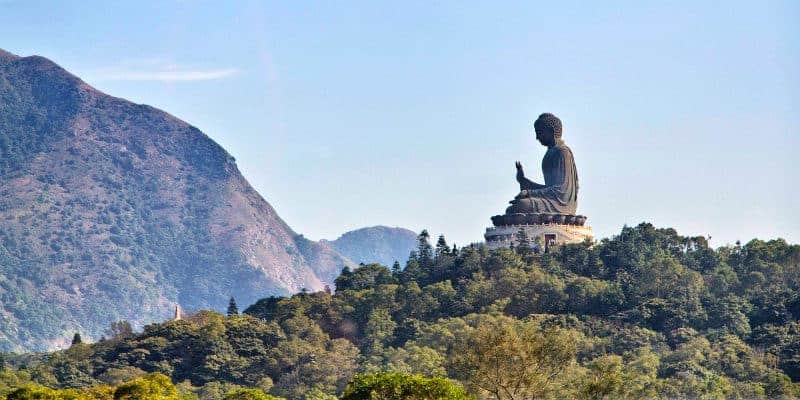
{"type": "Point", "coordinates": [111, 210]}
{"type": "Point", "coordinates": [324, 260]}
{"type": "Point", "coordinates": [377, 244]}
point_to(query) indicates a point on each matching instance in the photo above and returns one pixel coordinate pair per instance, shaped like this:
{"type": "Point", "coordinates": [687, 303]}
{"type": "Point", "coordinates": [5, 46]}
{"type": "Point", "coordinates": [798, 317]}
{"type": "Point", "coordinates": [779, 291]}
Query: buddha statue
{"type": "Point", "coordinates": [559, 193]}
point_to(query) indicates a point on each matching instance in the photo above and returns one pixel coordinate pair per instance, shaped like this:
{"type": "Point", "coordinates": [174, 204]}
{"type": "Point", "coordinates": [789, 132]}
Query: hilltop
{"type": "Point", "coordinates": [376, 244]}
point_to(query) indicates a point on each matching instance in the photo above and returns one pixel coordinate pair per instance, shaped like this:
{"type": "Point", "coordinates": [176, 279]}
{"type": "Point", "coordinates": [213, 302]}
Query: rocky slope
{"type": "Point", "coordinates": [111, 210]}
{"type": "Point", "coordinates": [377, 244]}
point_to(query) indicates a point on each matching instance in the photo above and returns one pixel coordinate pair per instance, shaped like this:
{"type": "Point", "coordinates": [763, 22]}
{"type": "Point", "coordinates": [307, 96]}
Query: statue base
{"type": "Point", "coordinates": [540, 236]}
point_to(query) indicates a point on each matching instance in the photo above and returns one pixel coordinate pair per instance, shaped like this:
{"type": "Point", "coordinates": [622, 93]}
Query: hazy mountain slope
{"type": "Point", "coordinates": [377, 244]}
{"type": "Point", "coordinates": [111, 210]}
{"type": "Point", "coordinates": [325, 261]}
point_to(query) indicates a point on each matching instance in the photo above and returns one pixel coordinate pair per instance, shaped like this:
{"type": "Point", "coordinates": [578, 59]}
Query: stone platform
{"type": "Point", "coordinates": [542, 230]}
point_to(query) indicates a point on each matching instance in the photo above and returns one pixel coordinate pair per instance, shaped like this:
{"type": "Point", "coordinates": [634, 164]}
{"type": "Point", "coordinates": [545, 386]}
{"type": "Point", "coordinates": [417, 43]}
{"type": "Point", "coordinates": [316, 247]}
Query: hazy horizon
{"type": "Point", "coordinates": [413, 116]}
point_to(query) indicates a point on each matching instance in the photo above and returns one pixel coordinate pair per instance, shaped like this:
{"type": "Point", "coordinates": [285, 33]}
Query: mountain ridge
{"type": "Point", "coordinates": [376, 244]}
{"type": "Point", "coordinates": [111, 210]}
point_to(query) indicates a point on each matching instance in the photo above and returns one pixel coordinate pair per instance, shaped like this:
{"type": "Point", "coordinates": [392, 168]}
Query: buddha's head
{"type": "Point", "coordinates": [548, 129]}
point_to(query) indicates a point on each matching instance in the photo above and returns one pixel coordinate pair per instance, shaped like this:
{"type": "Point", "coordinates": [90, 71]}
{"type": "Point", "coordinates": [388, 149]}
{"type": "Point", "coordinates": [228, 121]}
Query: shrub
{"type": "Point", "coordinates": [249, 394]}
{"type": "Point", "coordinates": [392, 386]}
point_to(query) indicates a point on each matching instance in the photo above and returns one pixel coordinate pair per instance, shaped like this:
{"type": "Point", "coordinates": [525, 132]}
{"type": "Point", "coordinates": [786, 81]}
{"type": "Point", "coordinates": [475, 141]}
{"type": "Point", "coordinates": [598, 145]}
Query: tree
{"type": "Point", "coordinates": [76, 339]}
{"type": "Point", "coordinates": [343, 278]}
{"type": "Point", "coordinates": [378, 331]}
{"type": "Point", "coordinates": [413, 272]}
{"type": "Point", "coordinates": [232, 308]}
{"type": "Point", "coordinates": [365, 277]}
{"type": "Point", "coordinates": [249, 394]}
{"type": "Point", "coordinates": [119, 330]}
{"type": "Point", "coordinates": [424, 250]}
{"type": "Point", "coordinates": [441, 247]}
{"type": "Point", "coordinates": [153, 386]}
{"type": "Point", "coordinates": [34, 392]}
{"type": "Point", "coordinates": [411, 358]}
{"type": "Point", "coordinates": [392, 386]}
{"type": "Point", "coordinates": [728, 314]}
{"type": "Point", "coordinates": [307, 358]}
{"type": "Point", "coordinates": [605, 379]}
{"type": "Point", "coordinates": [510, 359]}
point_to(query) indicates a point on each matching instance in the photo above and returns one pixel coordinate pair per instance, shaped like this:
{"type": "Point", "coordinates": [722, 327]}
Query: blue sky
{"type": "Point", "coordinates": [349, 114]}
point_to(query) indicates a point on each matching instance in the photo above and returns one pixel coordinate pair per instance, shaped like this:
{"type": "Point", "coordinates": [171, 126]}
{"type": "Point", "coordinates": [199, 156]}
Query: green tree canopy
{"type": "Point", "coordinates": [390, 386]}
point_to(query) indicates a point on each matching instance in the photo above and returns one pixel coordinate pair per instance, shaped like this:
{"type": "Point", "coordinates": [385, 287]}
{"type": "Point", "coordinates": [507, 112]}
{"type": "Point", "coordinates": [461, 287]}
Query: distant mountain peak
{"type": "Point", "coordinates": [376, 244]}
{"type": "Point", "coordinates": [376, 228]}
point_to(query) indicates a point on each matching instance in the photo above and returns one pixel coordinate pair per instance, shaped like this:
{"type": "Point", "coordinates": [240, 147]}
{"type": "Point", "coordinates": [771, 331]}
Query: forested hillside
{"type": "Point", "coordinates": [112, 210]}
{"type": "Point", "coordinates": [647, 313]}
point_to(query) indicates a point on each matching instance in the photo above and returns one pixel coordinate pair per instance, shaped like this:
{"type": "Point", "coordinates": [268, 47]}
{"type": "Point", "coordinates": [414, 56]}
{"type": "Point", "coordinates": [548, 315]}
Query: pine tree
{"type": "Point", "coordinates": [441, 247]}
{"type": "Point", "coordinates": [343, 281]}
{"type": "Point", "coordinates": [76, 339]}
{"type": "Point", "coordinates": [412, 272]}
{"type": "Point", "coordinates": [424, 250]}
{"type": "Point", "coordinates": [232, 308]}
{"type": "Point", "coordinates": [396, 268]}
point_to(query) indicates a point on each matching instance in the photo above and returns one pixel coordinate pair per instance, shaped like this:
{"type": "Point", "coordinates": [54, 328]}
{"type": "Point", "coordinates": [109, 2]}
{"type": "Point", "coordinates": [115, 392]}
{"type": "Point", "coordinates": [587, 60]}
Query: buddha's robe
{"type": "Point", "coordinates": [559, 195]}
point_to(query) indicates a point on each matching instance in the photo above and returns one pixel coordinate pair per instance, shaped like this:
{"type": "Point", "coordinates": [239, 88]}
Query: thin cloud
{"type": "Point", "coordinates": [166, 75]}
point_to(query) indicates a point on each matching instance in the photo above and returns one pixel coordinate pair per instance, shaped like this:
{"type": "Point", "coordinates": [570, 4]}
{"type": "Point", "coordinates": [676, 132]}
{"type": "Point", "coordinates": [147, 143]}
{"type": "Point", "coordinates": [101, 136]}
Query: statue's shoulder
{"type": "Point", "coordinates": [562, 149]}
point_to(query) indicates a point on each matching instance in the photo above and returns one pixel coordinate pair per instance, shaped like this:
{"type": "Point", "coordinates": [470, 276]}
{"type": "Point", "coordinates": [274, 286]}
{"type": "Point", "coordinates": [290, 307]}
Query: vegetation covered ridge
{"type": "Point", "coordinates": [647, 313]}
{"type": "Point", "coordinates": [111, 210]}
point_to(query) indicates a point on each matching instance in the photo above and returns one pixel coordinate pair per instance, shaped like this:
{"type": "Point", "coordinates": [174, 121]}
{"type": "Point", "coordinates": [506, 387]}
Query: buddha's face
{"type": "Point", "coordinates": [545, 137]}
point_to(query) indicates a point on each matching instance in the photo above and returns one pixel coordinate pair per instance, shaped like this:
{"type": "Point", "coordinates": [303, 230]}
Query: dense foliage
{"type": "Point", "coordinates": [395, 386]}
{"type": "Point", "coordinates": [153, 386]}
{"type": "Point", "coordinates": [646, 313]}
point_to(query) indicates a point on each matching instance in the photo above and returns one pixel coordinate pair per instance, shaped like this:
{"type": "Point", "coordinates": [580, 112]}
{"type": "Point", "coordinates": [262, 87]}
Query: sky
{"type": "Point", "coordinates": [351, 114]}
